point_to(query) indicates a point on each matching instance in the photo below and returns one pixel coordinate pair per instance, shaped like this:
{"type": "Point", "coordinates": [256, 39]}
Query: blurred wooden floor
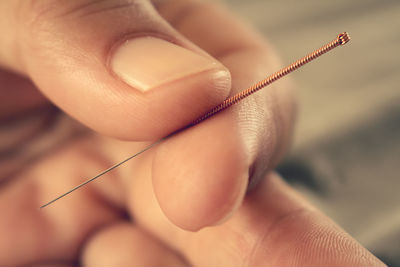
{"type": "Point", "coordinates": [346, 153]}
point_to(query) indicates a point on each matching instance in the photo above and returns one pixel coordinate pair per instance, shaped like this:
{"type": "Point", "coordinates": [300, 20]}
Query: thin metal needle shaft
{"type": "Point", "coordinates": [341, 39]}
{"type": "Point", "coordinates": [103, 172]}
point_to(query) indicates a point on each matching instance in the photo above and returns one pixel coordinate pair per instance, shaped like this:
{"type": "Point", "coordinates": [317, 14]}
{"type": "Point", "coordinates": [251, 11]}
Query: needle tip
{"type": "Point", "coordinates": [343, 38]}
{"type": "Point", "coordinates": [45, 205]}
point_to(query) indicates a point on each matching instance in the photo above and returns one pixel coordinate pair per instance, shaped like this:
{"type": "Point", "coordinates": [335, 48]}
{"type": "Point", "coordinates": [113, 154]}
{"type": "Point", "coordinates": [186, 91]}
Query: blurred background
{"type": "Point", "coordinates": [346, 153]}
{"type": "Point", "coordinates": [345, 156]}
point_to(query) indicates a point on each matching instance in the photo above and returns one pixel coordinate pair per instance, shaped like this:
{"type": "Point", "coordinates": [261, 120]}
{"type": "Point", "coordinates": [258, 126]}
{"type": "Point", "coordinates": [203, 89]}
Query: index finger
{"type": "Point", "coordinates": [207, 167]}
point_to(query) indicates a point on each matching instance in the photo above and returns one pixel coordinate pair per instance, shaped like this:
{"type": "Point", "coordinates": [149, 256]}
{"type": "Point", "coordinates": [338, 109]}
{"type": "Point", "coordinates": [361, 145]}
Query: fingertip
{"type": "Point", "coordinates": [200, 176]}
{"type": "Point", "coordinates": [131, 245]}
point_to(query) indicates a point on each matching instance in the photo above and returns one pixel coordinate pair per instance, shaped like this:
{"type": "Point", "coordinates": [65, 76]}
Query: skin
{"type": "Point", "coordinates": [183, 203]}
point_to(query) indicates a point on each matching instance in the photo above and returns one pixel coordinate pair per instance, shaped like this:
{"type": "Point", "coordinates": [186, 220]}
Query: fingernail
{"type": "Point", "coordinates": [148, 62]}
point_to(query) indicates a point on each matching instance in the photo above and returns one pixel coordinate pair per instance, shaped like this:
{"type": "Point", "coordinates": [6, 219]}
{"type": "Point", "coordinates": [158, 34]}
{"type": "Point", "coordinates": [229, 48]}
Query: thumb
{"type": "Point", "coordinates": [116, 66]}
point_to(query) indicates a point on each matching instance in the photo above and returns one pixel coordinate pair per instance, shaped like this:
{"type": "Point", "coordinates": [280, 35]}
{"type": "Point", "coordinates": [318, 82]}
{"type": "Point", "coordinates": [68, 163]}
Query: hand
{"type": "Point", "coordinates": [90, 59]}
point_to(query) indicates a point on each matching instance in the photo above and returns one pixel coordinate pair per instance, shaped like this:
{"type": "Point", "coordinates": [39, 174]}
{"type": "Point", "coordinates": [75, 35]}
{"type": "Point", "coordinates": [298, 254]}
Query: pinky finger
{"type": "Point", "coordinates": [124, 244]}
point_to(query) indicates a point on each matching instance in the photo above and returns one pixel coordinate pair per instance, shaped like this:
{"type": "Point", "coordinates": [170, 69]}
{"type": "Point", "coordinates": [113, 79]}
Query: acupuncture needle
{"type": "Point", "coordinates": [341, 39]}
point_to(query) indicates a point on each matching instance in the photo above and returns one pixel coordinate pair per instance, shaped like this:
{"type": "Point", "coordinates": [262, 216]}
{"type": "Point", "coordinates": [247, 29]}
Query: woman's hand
{"type": "Point", "coordinates": [96, 61]}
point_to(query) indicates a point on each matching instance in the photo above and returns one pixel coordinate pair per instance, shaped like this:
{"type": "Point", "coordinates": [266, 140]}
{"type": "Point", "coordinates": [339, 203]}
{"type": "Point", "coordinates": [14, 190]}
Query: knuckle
{"type": "Point", "coordinates": [51, 24]}
{"type": "Point", "coordinates": [39, 13]}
